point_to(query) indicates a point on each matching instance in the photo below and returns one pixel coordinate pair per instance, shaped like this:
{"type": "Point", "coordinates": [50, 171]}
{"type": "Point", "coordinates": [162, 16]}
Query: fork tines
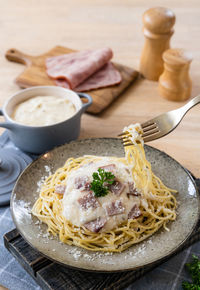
{"type": "Point", "coordinates": [149, 128]}
{"type": "Point", "coordinates": [123, 134]}
{"type": "Point", "coordinates": [125, 138]}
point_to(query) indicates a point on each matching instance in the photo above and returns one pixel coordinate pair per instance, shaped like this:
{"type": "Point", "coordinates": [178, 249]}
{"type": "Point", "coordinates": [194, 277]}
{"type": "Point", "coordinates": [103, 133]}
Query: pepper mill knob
{"type": "Point", "coordinates": [175, 83]}
{"type": "Point", "coordinates": [158, 29]}
{"type": "Point", "coordinates": [158, 20]}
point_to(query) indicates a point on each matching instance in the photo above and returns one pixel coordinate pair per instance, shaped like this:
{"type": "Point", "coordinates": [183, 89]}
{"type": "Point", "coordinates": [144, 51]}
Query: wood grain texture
{"type": "Point", "coordinates": [35, 75]}
{"type": "Point", "coordinates": [175, 83]}
{"type": "Point", "coordinates": [50, 275]}
{"type": "Point", "coordinates": [37, 26]}
{"type": "Point", "coordinates": [158, 28]}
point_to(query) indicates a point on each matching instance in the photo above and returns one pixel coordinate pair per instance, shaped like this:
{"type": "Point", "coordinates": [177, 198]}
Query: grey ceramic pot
{"type": "Point", "coordinates": [40, 139]}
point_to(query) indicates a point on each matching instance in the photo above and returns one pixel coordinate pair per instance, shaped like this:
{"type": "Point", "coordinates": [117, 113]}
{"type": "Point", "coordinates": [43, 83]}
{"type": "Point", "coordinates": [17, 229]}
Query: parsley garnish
{"type": "Point", "coordinates": [194, 270]}
{"type": "Point", "coordinates": [101, 180]}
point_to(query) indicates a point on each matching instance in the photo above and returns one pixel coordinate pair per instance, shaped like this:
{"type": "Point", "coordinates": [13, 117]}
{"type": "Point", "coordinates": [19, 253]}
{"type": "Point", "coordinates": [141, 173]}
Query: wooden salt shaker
{"type": "Point", "coordinates": [175, 83]}
{"type": "Point", "coordinates": [158, 29]}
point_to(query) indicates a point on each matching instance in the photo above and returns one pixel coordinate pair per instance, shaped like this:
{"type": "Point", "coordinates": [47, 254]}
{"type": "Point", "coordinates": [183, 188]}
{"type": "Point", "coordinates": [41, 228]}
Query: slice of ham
{"type": "Point", "coordinates": [96, 225]}
{"type": "Point", "coordinates": [134, 212]}
{"type": "Point", "coordinates": [76, 67]}
{"type": "Point", "coordinates": [87, 186]}
{"type": "Point", "coordinates": [62, 83]}
{"type": "Point", "coordinates": [131, 187]}
{"type": "Point", "coordinates": [115, 208]}
{"type": "Point", "coordinates": [108, 75]}
{"type": "Point", "coordinates": [109, 167]}
{"type": "Point", "coordinates": [81, 182]}
{"type": "Point", "coordinates": [117, 187]}
{"type": "Point", "coordinates": [60, 189]}
{"type": "Point", "coordinates": [132, 190]}
{"type": "Point", "coordinates": [88, 201]}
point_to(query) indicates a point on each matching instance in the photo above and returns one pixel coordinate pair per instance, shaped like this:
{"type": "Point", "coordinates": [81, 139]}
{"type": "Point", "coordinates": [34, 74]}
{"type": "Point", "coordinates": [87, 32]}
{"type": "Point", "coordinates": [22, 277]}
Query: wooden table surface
{"type": "Point", "coordinates": [36, 26]}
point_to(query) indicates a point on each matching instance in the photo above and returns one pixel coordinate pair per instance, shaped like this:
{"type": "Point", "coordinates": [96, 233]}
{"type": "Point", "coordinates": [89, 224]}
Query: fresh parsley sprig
{"type": "Point", "coordinates": [194, 270]}
{"type": "Point", "coordinates": [101, 180]}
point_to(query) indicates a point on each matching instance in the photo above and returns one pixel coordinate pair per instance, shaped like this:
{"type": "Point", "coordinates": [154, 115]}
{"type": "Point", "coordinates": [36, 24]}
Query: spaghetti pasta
{"type": "Point", "coordinates": [157, 204]}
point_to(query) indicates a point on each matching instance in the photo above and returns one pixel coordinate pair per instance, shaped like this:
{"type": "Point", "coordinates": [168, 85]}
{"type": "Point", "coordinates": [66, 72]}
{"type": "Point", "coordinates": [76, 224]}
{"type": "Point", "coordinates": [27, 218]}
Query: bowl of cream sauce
{"type": "Point", "coordinates": [40, 118]}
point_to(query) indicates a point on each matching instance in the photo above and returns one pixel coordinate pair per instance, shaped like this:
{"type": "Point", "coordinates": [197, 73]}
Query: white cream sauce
{"type": "Point", "coordinates": [135, 133]}
{"type": "Point", "coordinates": [43, 111]}
{"type": "Point", "coordinates": [78, 216]}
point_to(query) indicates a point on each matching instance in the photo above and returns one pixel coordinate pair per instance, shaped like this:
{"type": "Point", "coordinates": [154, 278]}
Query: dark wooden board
{"type": "Point", "coordinates": [35, 75]}
{"type": "Point", "coordinates": [50, 275]}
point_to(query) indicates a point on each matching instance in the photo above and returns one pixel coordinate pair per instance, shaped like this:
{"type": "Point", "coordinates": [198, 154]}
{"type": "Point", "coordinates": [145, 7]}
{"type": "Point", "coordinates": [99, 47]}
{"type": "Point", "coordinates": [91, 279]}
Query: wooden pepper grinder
{"type": "Point", "coordinates": [158, 29]}
{"type": "Point", "coordinates": [175, 83]}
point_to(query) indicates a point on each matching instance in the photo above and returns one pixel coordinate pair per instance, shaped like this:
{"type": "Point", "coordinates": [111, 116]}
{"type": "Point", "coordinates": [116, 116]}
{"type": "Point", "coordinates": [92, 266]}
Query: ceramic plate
{"type": "Point", "coordinates": [160, 245]}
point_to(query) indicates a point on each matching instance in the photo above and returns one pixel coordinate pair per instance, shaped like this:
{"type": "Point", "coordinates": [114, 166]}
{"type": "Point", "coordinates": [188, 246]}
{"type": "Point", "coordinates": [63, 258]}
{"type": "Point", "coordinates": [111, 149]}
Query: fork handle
{"type": "Point", "coordinates": [190, 104]}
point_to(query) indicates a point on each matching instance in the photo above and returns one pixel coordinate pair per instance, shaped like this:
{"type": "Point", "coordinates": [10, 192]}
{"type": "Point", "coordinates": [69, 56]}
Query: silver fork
{"type": "Point", "coordinates": [163, 124]}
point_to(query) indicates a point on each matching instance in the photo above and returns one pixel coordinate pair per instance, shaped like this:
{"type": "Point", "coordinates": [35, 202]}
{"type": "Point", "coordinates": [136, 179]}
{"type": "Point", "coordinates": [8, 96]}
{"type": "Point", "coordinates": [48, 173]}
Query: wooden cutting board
{"type": "Point", "coordinates": [35, 75]}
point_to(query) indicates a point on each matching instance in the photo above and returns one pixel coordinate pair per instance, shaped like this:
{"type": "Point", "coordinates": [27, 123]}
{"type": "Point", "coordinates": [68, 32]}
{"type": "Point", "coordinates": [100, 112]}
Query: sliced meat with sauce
{"type": "Point", "coordinates": [132, 190]}
{"type": "Point", "coordinates": [88, 201]}
{"type": "Point", "coordinates": [60, 189]}
{"type": "Point", "coordinates": [96, 225]}
{"type": "Point", "coordinates": [131, 187]}
{"type": "Point", "coordinates": [117, 187]}
{"type": "Point", "coordinates": [87, 186]}
{"type": "Point", "coordinates": [135, 212]}
{"type": "Point", "coordinates": [115, 208]}
{"type": "Point", "coordinates": [127, 170]}
{"type": "Point", "coordinates": [76, 67]}
{"type": "Point", "coordinates": [81, 182]}
{"type": "Point", "coordinates": [109, 167]}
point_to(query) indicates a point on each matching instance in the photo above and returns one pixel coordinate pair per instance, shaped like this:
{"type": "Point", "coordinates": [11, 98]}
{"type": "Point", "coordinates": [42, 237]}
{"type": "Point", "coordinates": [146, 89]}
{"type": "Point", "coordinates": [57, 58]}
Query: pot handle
{"type": "Point", "coordinates": [5, 124]}
{"type": "Point", "coordinates": [89, 100]}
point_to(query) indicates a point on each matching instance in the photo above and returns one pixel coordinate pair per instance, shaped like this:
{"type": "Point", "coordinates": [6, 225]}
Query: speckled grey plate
{"type": "Point", "coordinates": [158, 246]}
